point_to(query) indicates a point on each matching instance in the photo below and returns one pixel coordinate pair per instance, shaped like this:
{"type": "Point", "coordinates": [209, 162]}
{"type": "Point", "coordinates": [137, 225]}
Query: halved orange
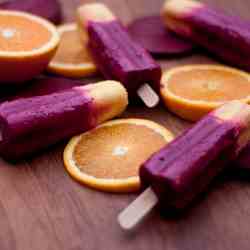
{"type": "Point", "coordinates": [72, 58]}
{"type": "Point", "coordinates": [27, 44]}
{"type": "Point", "coordinates": [108, 157]}
{"type": "Point", "coordinates": [193, 91]}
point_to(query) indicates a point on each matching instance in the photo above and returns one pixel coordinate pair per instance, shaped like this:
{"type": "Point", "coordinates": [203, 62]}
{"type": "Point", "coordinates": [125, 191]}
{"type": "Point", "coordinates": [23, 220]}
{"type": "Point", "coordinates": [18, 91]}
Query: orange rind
{"type": "Point", "coordinates": [108, 157]}
{"type": "Point", "coordinates": [27, 44]}
{"type": "Point", "coordinates": [72, 58]}
{"type": "Point", "coordinates": [193, 91]}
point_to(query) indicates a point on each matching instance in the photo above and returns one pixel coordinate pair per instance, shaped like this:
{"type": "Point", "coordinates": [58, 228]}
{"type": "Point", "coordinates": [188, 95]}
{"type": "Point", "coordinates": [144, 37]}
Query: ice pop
{"type": "Point", "coordinates": [225, 36]}
{"type": "Point", "coordinates": [184, 168]}
{"type": "Point", "coordinates": [34, 123]}
{"type": "Point", "coordinates": [117, 55]}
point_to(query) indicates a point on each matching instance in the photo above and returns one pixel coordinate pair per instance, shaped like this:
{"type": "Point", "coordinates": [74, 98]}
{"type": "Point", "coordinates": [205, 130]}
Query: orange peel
{"type": "Point", "coordinates": [192, 91]}
{"type": "Point", "coordinates": [108, 157]}
{"type": "Point", "coordinates": [72, 58]}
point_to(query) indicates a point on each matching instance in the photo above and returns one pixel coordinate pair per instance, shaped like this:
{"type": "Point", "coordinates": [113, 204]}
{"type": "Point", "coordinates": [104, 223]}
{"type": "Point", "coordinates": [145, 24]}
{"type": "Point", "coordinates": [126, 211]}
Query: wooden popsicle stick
{"type": "Point", "coordinates": [137, 210]}
{"type": "Point", "coordinates": [148, 95]}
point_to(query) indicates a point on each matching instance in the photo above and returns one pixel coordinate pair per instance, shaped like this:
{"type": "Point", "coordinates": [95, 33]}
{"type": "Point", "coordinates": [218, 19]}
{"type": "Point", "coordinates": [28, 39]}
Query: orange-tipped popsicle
{"type": "Point", "coordinates": [117, 55]}
{"type": "Point", "coordinates": [183, 169]}
{"type": "Point", "coordinates": [224, 35]}
{"type": "Point", "coordinates": [33, 123]}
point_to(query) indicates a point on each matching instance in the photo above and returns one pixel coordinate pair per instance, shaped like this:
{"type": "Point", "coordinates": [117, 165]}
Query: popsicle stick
{"type": "Point", "coordinates": [148, 95]}
{"type": "Point", "coordinates": [137, 210]}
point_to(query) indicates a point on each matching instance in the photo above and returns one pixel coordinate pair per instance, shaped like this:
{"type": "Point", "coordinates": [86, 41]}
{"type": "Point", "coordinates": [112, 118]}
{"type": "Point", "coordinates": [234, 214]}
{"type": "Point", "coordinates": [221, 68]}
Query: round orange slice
{"type": "Point", "coordinates": [27, 44]}
{"type": "Point", "coordinates": [108, 158]}
{"type": "Point", "coordinates": [72, 58]}
{"type": "Point", "coordinates": [193, 91]}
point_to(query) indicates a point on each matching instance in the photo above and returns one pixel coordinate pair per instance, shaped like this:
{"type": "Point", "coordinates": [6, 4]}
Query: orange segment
{"type": "Point", "coordinates": [193, 91]}
{"type": "Point", "coordinates": [19, 34]}
{"type": "Point", "coordinates": [108, 157]}
{"type": "Point", "coordinates": [72, 58]}
{"type": "Point", "coordinates": [27, 44]}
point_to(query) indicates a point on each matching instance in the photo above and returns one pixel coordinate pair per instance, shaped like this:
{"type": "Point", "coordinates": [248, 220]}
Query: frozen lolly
{"type": "Point", "coordinates": [184, 168]}
{"type": "Point", "coordinates": [224, 35]}
{"type": "Point", "coordinates": [117, 55]}
{"type": "Point", "coordinates": [34, 123]}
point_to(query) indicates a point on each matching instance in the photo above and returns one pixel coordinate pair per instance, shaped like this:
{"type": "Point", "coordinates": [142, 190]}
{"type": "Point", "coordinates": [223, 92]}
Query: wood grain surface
{"type": "Point", "coordinates": [42, 208]}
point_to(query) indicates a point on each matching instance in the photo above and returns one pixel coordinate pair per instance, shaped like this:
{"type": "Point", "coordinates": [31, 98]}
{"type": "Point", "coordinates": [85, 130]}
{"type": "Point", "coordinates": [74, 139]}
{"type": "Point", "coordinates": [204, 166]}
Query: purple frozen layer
{"type": "Point", "coordinates": [180, 174]}
{"type": "Point", "coordinates": [31, 124]}
{"type": "Point", "coordinates": [184, 168]}
{"type": "Point", "coordinates": [224, 35]}
{"type": "Point", "coordinates": [157, 39]}
{"type": "Point", "coordinates": [120, 58]}
{"type": "Point", "coordinates": [48, 9]}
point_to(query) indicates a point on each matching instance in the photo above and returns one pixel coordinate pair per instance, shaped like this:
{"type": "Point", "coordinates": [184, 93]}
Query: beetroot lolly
{"type": "Point", "coordinates": [34, 123]}
{"type": "Point", "coordinates": [48, 9]}
{"type": "Point", "coordinates": [117, 55]}
{"type": "Point", "coordinates": [224, 35]}
{"type": "Point", "coordinates": [183, 169]}
{"type": "Point", "coordinates": [151, 33]}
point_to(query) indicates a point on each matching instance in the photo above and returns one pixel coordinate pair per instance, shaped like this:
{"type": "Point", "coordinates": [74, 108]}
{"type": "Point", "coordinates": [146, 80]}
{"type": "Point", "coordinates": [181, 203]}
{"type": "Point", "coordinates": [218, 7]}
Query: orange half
{"type": "Point", "coordinates": [108, 158]}
{"type": "Point", "coordinates": [72, 58]}
{"type": "Point", "coordinates": [193, 91]}
{"type": "Point", "coordinates": [27, 44]}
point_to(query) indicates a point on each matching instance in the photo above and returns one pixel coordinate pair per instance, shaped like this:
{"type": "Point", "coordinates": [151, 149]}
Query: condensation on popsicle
{"type": "Point", "coordinates": [184, 168]}
{"type": "Point", "coordinates": [34, 123]}
{"type": "Point", "coordinates": [117, 55]}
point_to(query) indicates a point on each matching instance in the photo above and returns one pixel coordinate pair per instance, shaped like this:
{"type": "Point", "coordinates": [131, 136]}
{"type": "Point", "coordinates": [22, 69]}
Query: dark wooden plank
{"type": "Point", "coordinates": [42, 208]}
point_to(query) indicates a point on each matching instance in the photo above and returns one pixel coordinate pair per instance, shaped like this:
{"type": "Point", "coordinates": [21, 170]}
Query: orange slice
{"type": "Point", "coordinates": [193, 91]}
{"type": "Point", "coordinates": [108, 157]}
{"type": "Point", "coordinates": [27, 44]}
{"type": "Point", "coordinates": [72, 58]}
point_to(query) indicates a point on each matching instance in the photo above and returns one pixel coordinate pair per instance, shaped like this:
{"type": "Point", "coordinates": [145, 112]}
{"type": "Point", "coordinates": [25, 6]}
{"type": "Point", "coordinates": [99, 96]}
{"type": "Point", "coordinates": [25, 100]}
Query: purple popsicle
{"type": "Point", "coordinates": [116, 54]}
{"type": "Point", "coordinates": [33, 123]}
{"type": "Point", "coordinates": [183, 169]}
{"type": "Point", "coordinates": [224, 35]}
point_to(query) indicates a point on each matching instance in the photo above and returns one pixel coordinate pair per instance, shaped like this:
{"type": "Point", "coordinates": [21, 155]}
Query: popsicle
{"type": "Point", "coordinates": [183, 169]}
{"type": "Point", "coordinates": [225, 36]}
{"type": "Point", "coordinates": [117, 55]}
{"type": "Point", "coordinates": [34, 123]}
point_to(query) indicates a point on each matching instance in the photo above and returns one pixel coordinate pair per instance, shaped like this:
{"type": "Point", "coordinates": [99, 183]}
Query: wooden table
{"type": "Point", "coordinates": [41, 207]}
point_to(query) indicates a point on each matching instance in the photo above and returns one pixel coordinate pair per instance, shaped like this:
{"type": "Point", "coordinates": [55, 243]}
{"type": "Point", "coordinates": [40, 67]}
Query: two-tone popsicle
{"type": "Point", "coordinates": [31, 124]}
{"type": "Point", "coordinates": [183, 169]}
{"type": "Point", "coordinates": [117, 55]}
{"type": "Point", "coordinates": [224, 35]}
